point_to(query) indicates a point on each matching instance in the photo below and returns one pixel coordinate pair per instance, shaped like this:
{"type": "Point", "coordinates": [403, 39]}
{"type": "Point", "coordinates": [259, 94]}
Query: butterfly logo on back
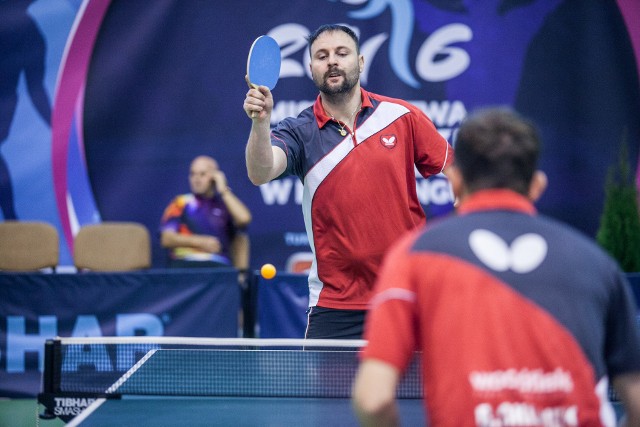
{"type": "Point", "coordinates": [388, 141]}
{"type": "Point", "coordinates": [525, 254]}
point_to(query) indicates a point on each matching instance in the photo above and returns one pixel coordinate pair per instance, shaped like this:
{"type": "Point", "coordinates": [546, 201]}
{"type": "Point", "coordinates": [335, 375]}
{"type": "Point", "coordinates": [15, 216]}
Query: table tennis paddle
{"type": "Point", "coordinates": [263, 63]}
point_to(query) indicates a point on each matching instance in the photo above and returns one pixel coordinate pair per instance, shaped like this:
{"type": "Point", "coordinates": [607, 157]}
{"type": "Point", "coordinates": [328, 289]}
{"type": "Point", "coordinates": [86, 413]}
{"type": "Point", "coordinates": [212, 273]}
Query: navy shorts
{"type": "Point", "coordinates": [331, 323]}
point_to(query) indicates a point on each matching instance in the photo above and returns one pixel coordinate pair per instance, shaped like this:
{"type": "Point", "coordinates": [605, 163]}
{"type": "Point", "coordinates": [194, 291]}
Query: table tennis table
{"type": "Point", "coordinates": [232, 411]}
{"type": "Point", "coordinates": [205, 382]}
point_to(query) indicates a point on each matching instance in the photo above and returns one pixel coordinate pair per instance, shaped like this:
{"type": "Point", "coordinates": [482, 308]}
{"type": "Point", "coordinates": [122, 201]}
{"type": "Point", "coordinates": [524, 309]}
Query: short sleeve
{"type": "Point", "coordinates": [391, 328]}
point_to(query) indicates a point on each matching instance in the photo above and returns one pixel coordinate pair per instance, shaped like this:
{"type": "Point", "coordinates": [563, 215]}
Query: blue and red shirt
{"type": "Point", "coordinates": [359, 189]}
{"type": "Point", "coordinates": [521, 320]}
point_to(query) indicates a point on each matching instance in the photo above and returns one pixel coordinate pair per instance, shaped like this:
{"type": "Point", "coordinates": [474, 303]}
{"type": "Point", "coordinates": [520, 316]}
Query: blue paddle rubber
{"type": "Point", "coordinates": [263, 63]}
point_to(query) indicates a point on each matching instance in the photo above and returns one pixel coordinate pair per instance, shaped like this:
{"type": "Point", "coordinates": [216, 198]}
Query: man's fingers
{"type": "Point", "coordinates": [257, 96]}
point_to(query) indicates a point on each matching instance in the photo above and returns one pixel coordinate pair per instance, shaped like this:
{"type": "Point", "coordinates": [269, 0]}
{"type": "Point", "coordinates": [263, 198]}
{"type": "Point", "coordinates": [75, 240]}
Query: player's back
{"type": "Point", "coordinates": [515, 308]}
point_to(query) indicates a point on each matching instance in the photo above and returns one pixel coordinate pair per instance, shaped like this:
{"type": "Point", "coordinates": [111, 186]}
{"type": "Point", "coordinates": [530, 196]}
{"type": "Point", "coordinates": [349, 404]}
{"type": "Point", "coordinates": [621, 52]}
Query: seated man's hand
{"type": "Point", "coordinates": [209, 244]}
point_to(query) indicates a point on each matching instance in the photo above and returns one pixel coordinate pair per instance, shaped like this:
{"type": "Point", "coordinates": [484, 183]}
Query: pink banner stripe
{"type": "Point", "coordinates": [71, 80]}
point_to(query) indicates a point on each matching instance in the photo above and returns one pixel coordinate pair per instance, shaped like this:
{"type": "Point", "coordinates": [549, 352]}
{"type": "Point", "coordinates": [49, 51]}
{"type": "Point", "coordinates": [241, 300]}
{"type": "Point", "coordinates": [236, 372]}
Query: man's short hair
{"type": "Point", "coordinates": [331, 28]}
{"type": "Point", "coordinates": [497, 148]}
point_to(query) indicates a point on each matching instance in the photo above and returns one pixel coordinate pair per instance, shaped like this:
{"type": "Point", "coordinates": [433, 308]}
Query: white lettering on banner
{"type": "Point", "coordinates": [436, 191]}
{"type": "Point", "coordinates": [292, 38]}
{"type": "Point", "coordinates": [443, 113]}
{"type": "Point", "coordinates": [277, 191]}
{"type": "Point", "coordinates": [62, 411]}
{"type": "Point", "coordinates": [456, 60]}
{"type": "Point", "coordinates": [447, 133]}
{"type": "Point", "coordinates": [80, 402]}
{"type": "Point", "coordinates": [86, 326]}
{"type": "Point", "coordinates": [436, 60]}
{"type": "Point", "coordinates": [296, 239]}
{"type": "Point", "coordinates": [138, 324]}
{"type": "Point", "coordinates": [70, 405]}
{"type": "Point", "coordinates": [19, 342]}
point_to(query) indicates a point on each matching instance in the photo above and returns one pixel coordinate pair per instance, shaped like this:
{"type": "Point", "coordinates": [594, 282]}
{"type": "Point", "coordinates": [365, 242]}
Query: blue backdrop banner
{"type": "Point", "coordinates": [36, 307]}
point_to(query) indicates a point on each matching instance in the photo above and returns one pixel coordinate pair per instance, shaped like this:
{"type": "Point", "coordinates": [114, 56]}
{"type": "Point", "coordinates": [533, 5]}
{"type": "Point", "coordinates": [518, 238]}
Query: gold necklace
{"type": "Point", "coordinates": [342, 131]}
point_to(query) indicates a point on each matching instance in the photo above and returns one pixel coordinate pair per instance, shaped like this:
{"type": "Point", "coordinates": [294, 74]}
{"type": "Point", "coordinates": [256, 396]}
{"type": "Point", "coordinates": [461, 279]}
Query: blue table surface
{"type": "Point", "coordinates": [234, 411]}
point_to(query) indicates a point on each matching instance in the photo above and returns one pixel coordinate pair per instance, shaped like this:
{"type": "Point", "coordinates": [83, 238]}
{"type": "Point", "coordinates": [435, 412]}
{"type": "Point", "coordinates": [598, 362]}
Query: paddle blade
{"type": "Point", "coordinates": [263, 63]}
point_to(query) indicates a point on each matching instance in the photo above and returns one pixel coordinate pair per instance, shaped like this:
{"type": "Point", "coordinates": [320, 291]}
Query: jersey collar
{"type": "Point", "coordinates": [321, 116]}
{"type": "Point", "coordinates": [498, 199]}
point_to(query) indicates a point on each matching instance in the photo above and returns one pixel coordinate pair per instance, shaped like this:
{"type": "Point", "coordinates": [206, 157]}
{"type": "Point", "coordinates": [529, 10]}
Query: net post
{"type": "Point", "coordinates": [50, 373]}
{"type": "Point", "coordinates": [249, 304]}
{"type": "Point", "coordinates": [50, 377]}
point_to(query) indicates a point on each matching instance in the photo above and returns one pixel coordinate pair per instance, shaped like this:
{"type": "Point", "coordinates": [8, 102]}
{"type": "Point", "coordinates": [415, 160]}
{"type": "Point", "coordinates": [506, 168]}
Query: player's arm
{"type": "Point", "coordinates": [263, 165]}
{"type": "Point", "coordinates": [628, 388]}
{"type": "Point", "coordinates": [264, 162]}
{"type": "Point", "coordinates": [171, 239]}
{"type": "Point", "coordinates": [374, 394]}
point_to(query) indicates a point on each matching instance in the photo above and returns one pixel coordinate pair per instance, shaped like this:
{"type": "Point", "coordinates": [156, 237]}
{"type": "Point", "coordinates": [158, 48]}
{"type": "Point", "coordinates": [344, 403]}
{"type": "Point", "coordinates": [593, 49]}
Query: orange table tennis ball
{"type": "Point", "coordinates": [268, 271]}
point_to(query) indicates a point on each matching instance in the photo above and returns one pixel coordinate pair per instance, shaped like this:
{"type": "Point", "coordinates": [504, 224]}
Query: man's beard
{"type": "Point", "coordinates": [349, 81]}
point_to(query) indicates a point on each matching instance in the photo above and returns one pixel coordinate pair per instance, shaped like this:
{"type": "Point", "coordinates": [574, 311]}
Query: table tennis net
{"type": "Point", "coordinates": [209, 367]}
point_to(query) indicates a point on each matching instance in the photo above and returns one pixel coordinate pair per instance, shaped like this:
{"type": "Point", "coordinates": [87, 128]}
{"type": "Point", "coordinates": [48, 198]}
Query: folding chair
{"type": "Point", "coordinates": [28, 246]}
{"type": "Point", "coordinates": [112, 246]}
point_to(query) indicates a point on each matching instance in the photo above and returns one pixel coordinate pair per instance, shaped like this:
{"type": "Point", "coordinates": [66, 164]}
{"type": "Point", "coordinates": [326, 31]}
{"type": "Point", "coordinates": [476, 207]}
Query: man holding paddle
{"type": "Point", "coordinates": [355, 152]}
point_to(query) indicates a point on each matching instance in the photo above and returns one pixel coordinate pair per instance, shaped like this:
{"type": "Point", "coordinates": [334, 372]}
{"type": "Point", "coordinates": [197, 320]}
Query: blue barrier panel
{"type": "Point", "coordinates": [35, 307]}
{"type": "Point", "coordinates": [282, 306]}
{"type": "Point", "coordinates": [283, 301]}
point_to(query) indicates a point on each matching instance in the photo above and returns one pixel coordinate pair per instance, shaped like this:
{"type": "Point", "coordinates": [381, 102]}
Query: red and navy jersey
{"type": "Point", "coordinates": [521, 320]}
{"type": "Point", "coordinates": [359, 189]}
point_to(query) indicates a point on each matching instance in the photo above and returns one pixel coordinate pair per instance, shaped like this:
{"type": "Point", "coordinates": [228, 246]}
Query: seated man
{"type": "Point", "coordinates": [205, 228]}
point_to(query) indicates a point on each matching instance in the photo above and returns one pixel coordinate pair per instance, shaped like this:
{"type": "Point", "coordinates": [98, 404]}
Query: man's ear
{"type": "Point", "coordinates": [538, 185]}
